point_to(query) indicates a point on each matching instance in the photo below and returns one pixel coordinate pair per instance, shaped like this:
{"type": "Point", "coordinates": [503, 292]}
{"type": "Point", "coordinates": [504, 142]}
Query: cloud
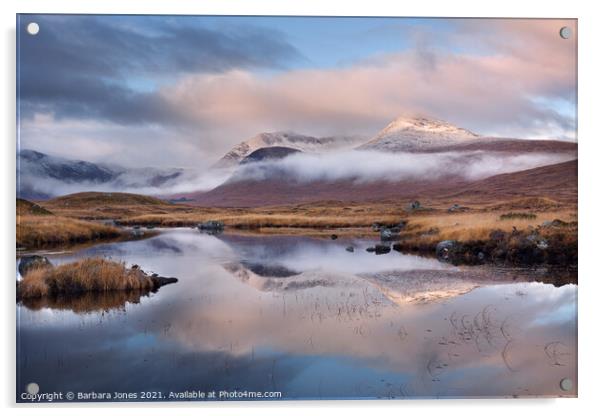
{"type": "Point", "coordinates": [364, 166]}
{"type": "Point", "coordinates": [192, 92]}
{"type": "Point", "coordinates": [104, 67]}
{"type": "Point", "coordinates": [492, 79]}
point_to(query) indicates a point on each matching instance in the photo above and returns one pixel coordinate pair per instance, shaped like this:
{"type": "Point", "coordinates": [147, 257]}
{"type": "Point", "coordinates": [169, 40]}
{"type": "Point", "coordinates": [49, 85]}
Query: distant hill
{"type": "Point", "coordinates": [558, 181]}
{"type": "Point", "coordinates": [494, 144]}
{"type": "Point", "coordinates": [269, 153]}
{"type": "Point", "coordinates": [25, 207]}
{"type": "Point", "coordinates": [100, 199]}
{"type": "Point", "coordinates": [41, 176]}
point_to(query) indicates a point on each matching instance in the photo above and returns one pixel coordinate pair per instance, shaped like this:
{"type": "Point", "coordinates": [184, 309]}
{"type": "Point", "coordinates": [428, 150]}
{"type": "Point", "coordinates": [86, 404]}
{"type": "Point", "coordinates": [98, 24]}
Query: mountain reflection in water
{"type": "Point", "coordinates": [305, 317]}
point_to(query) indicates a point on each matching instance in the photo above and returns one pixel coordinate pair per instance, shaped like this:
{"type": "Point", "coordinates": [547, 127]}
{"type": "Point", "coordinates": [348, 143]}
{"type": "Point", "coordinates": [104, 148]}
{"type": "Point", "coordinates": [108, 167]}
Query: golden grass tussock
{"type": "Point", "coordinates": [87, 275]}
{"type": "Point", "coordinates": [43, 230]}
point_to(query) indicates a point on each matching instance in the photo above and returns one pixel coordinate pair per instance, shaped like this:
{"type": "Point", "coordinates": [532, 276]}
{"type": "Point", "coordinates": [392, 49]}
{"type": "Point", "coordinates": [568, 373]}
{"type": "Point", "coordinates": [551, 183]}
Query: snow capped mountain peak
{"type": "Point", "coordinates": [288, 139]}
{"type": "Point", "coordinates": [407, 133]}
{"type": "Point", "coordinates": [427, 125]}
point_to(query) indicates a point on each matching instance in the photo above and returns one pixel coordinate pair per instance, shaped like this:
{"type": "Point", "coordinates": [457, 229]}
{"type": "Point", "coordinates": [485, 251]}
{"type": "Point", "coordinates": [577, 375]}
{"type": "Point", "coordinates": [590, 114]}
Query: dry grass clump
{"type": "Point", "coordinates": [87, 275]}
{"type": "Point", "coordinates": [518, 215]}
{"type": "Point", "coordinates": [46, 230]}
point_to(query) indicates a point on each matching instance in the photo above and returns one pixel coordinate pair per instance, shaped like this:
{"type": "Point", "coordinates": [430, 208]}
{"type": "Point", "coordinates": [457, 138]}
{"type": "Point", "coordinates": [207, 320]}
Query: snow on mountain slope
{"type": "Point", "coordinates": [411, 133]}
{"type": "Point", "coordinates": [286, 139]}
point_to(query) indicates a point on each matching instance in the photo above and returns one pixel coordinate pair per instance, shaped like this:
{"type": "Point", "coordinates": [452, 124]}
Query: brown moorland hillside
{"type": "Point", "coordinates": [557, 181]}
{"type": "Point", "coordinates": [518, 146]}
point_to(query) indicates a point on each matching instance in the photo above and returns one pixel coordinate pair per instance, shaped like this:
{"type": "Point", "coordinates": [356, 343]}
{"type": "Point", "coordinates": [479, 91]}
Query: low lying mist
{"type": "Point", "coordinates": [36, 187]}
{"type": "Point", "coordinates": [367, 166]}
{"type": "Point", "coordinates": [359, 166]}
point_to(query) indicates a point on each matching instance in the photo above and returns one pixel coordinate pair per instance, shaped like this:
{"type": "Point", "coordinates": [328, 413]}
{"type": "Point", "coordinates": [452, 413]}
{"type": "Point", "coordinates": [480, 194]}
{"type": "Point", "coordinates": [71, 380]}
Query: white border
{"type": "Point", "coordinates": [590, 201]}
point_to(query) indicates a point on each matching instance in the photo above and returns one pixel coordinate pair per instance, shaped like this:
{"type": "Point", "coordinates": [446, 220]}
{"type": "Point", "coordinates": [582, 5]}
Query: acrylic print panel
{"type": "Point", "coordinates": [279, 208]}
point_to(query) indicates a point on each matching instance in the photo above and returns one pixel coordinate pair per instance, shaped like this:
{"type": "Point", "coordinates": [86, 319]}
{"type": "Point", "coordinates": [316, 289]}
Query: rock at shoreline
{"type": "Point", "coordinates": [334, 237]}
{"type": "Point", "coordinates": [445, 248]}
{"type": "Point", "coordinates": [28, 263]}
{"type": "Point", "coordinates": [211, 227]}
{"type": "Point", "coordinates": [379, 249]}
{"type": "Point", "coordinates": [159, 281]}
{"type": "Point", "coordinates": [387, 234]}
{"type": "Point", "coordinates": [156, 280]}
{"type": "Point", "coordinates": [392, 233]}
{"type": "Point", "coordinates": [382, 249]}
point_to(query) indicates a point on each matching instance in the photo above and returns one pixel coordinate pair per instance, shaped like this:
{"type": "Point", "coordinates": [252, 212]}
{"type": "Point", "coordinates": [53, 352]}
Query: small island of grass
{"type": "Point", "coordinates": [96, 275]}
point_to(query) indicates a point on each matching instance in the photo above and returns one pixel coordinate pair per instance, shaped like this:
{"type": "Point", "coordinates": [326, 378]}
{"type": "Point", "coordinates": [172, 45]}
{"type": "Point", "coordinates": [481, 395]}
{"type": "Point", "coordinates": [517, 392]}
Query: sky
{"type": "Point", "coordinates": [180, 91]}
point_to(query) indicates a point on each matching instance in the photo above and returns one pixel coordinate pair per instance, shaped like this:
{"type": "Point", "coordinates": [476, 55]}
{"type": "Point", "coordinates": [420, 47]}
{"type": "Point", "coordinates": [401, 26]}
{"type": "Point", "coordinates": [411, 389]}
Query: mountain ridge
{"type": "Point", "coordinates": [301, 142]}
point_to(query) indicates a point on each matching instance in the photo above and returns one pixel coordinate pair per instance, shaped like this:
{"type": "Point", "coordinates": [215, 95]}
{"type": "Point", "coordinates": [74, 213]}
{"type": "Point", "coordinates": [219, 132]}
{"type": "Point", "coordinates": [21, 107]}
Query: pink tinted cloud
{"type": "Point", "coordinates": [487, 75]}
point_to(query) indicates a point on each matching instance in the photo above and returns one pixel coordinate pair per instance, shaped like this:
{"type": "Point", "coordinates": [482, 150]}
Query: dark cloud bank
{"type": "Point", "coordinates": [83, 67]}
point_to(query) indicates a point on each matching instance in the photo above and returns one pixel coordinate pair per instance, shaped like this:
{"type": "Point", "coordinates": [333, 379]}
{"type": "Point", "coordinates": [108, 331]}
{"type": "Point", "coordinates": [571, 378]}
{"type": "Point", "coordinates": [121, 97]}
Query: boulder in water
{"type": "Point", "coordinates": [382, 249]}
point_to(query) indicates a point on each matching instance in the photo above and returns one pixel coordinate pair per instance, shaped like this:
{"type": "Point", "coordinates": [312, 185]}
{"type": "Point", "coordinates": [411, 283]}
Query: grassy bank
{"type": "Point", "coordinates": [478, 225]}
{"type": "Point", "coordinates": [131, 210]}
{"type": "Point", "coordinates": [36, 231]}
{"type": "Point", "coordinates": [510, 238]}
{"type": "Point", "coordinates": [88, 275]}
{"type": "Point", "coordinates": [260, 220]}
{"type": "Point", "coordinates": [428, 223]}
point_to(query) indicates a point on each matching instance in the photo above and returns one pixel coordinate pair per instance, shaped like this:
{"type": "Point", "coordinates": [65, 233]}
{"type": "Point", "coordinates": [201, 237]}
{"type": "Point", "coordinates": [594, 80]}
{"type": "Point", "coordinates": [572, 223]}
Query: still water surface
{"type": "Point", "coordinates": [306, 318]}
